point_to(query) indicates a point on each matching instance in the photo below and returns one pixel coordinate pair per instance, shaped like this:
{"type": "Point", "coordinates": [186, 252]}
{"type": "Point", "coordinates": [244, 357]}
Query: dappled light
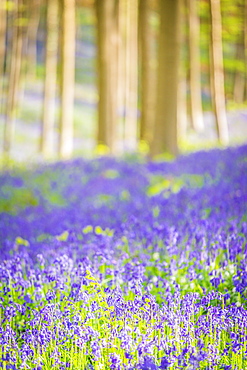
{"type": "Point", "coordinates": [104, 76]}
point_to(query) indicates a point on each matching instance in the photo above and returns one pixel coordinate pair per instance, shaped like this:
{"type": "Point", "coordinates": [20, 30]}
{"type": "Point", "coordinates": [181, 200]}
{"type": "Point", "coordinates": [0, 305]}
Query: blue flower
{"type": "Point", "coordinates": [148, 364]}
{"type": "Point", "coordinates": [164, 364]}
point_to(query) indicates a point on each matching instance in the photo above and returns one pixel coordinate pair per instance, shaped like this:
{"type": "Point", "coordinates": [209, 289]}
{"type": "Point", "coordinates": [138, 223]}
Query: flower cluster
{"type": "Point", "coordinates": [125, 264]}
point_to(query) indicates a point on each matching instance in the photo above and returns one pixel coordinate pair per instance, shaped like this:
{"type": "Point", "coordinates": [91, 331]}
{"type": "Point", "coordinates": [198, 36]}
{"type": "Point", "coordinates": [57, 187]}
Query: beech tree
{"type": "Point", "coordinates": [217, 72]}
{"type": "Point", "coordinates": [32, 31]}
{"type": "Point", "coordinates": [239, 75]}
{"type": "Point", "coordinates": [182, 84]}
{"type": "Point", "coordinates": [146, 76]}
{"type": "Point", "coordinates": [165, 128]}
{"type": "Point", "coordinates": [245, 45]}
{"type": "Point", "coordinates": [66, 120]}
{"type": "Point", "coordinates": [49, 103]}
{"type": "Point", "coordinates": [131, 75]}
{"type": "Point", "coordinates": [14, 74]}
{"type": "Point", "coordinates": [107, 39]}
{"type": "Point", "coordinates": [129, 84]}
{"type": "Point", "coordinates": [3, 30]}
{"type": "Point", "coordinates": [194, 66]}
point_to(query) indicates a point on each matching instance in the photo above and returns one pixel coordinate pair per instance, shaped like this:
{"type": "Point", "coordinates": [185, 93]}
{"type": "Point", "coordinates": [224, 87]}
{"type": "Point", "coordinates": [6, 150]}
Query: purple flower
{"type": "Point", "coordinates": [215, 282]}
{"type": "Point", "coordinates": [10, 367]}
{"type": "Point", "coordinates": [26, 352]}
{"type": "Point", "coordinates": [50, 295]}
{"type": "Point", "coordinates": [148, 364]}
{"type": "Point", "coordinates": [95, 350]}
{"type": "Point", "coordinates": [115, 361]}
{"type": "Point", "coordinates": [164, 364]}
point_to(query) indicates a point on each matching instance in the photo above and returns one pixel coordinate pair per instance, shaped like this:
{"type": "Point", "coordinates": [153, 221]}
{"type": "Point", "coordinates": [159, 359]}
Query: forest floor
{"type": "Point", "coordinates": [28, 127]}
{"type": "Point", "coordinates": [123, 264]}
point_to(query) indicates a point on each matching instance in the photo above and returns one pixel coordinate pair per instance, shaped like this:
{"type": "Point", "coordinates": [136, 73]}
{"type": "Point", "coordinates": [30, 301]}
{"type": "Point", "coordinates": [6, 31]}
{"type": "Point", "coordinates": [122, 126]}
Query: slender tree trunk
{"type": "Point", "coordinates": [218, 72]}
{"type": "Point", "coordinates": [182, 108]}
{"type": "Point", "coordinates": [195, 68]}
{"type": "Point", "coordinates": [114, 77]}
{"type": "Point", "coordinates": [245, 45]}
{"type": "Point", "coordinates": [121, 52]}
{"type": "Point", "coordinates": [49, 102]}
{"type": "Point", "coordinates": [146, 76]}
{"type": "Point", "coordinates": [3, 30]}
{"type": "Point", "coordinates": [107, 40]}
{"type": "Point", "coordinates": [165, 130]}
{"type": "Point", "coordinates": [33, 24]}
{"type": "Point", "coordinates": [239, 76]}
{"type": "Point", "coordinates": [13, 78]}
{"type": "Point", "coordinates": [104, 102]}
{"type": "Point", "coordinates": [67, 79]}
{"type": "Point", "coordinates": [182, 84]}
{"type": "Point", "coordinates": [131, 76]}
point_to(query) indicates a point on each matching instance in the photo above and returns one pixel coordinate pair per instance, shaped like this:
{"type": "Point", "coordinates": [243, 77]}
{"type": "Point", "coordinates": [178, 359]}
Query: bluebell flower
{"type": "Point", "coordinates": [148, 364]}
{"type": "Point", "coordinates": [164, 364]}
{"type": "Point", "coordinates": [115, 361]}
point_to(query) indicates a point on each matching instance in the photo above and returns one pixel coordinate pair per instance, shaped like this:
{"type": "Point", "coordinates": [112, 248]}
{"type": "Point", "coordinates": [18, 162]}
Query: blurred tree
{"type": "Point", "coordinates": [3, 30]}
{"type": "Point", "coordinates": [49, 102]}
{"type": "Point", "coordinates": [232, 14]}
{"type": "Point", "coordinates": [122, 24]}
{"type": "Point", "coordinates": [205, 41]}
{"type": "Point", "coordinates": [239, 76]}
{"type": "Point", "coordinates": [32, 29]}
{"type": "Point", "coordinates": [165, 128]}
{"type": "Point", "coordinates": [217, 72]}
{"type": "Point", "coordinates": [121, 71]}
{"type": "Point", "coordinates": [107, 39]}
{"type": "Point", "coordinates": [245, 45]}
{"type": "Point", "coordinates": [146, 76]}
{"type": "Point", "coordinates": [131, 74]}
{"type": "Point", "coordinates": [194, 66]}
{"type": "Point", "coordinates": [14, 73]}
{"type": "Point", "coordinates": [183, 70]}
{"type": "Point", "coordinates": [66, 121]}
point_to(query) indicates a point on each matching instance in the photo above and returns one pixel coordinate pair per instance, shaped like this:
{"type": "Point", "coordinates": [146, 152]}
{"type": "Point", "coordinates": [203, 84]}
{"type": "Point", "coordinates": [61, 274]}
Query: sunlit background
{"type": "Point", "coordinates": [84, 77]}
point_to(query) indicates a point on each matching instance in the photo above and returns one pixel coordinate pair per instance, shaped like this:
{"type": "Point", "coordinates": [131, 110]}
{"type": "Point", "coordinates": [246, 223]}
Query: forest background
{"type": "Point", "coordinates": [108, 76]}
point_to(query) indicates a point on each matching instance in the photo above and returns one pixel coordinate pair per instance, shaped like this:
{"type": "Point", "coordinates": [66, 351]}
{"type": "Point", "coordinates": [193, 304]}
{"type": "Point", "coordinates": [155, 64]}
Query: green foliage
{"type": "Point", "coordinates": [13, 199]}
{"type": "Point", "coordinates": [160, 184]}
{"type": "Point", "coordinates": [185, 277]}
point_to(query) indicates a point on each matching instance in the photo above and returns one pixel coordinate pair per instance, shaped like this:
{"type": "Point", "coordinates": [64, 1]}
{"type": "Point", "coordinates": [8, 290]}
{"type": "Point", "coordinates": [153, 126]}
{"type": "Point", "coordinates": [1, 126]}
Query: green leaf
{"type": "Point", "coordinates": [87, 229]}
{"type": "Point", "coordinates": [20, 241]}
{"type": "Point", "coordinates": [63, 237]}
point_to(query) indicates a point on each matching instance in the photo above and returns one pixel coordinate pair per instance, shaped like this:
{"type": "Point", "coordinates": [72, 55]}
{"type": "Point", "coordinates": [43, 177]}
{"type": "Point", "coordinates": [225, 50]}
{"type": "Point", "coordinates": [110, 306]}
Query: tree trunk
{"type": "Point", "coordinates": [49, 102]}
{"type": "Point", "coordinates": [121, 52]}
{"type": "Point", "coordinates": [107, 40]}
{"type": "Point", "coordinates": [218, 72]}
{"type": "Point", "coordinates": [194, 66]}
{"type": "Point", "coordinates": [3, 30]}
{"type": "Point", "coordinates": [165, 129]}
{"type": "Point", "coordinates": [66, 129]}
{"type": "Point", "coordinates": [245, 45]}
{"type": "Point", "coordinates": [114, 75]}
{"type": "Point", "coordinates": [146, 76]}
{"type": "Point", "coordinates": [13, 78]}
{"type": "Point", "coordinates": [131, 75]}
{"type": "Point", "coordinates": [239, 76]}
{"type": "Point", "coordinates": [33, 24]}
{"type": "Point", "coordinates": [182, 70]}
